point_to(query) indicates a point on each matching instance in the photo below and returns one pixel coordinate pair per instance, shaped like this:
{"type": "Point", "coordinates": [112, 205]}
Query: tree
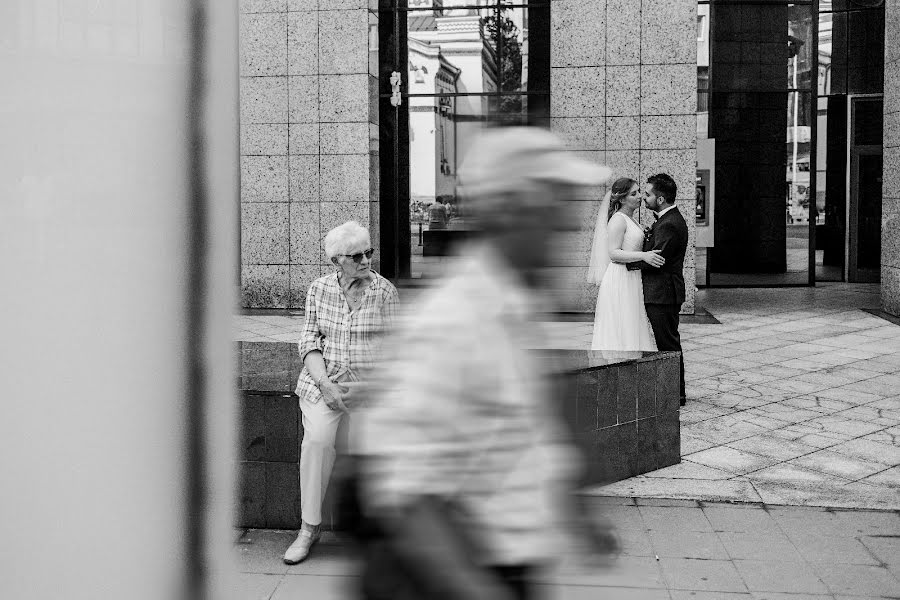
{"type": "Point", "coordinates": [504, 39]}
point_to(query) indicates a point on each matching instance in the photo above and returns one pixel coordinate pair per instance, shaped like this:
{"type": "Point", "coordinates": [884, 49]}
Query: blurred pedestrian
{"type": "Point", "coordinates": [346, 314]}
{"type": "Point", "coordinates": [438, 216]}
{"type": "Point", "coordinates": [468, 466]}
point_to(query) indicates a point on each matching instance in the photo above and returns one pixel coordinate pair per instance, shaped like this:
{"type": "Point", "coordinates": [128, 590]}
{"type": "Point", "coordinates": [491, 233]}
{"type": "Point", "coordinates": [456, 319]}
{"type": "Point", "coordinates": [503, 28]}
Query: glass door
{"type": "Point", "coordinates": [447, 69]}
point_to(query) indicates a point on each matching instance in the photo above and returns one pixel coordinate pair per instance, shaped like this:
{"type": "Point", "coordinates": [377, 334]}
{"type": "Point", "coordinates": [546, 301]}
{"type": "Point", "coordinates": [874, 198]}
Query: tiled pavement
{"type": "Point", "coordinates": [794, 400]}
{"type": "Point", "coordinates": [671, 550]}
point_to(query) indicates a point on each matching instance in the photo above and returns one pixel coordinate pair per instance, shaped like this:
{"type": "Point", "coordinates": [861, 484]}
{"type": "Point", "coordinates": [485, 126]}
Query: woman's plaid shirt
{"type": "Point", "coordinates": [347, 340]}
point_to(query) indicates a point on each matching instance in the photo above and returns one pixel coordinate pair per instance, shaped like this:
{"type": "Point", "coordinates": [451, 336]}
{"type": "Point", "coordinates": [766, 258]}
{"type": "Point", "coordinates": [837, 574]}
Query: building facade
{"type": "Point", "coordinates": [353, 109]}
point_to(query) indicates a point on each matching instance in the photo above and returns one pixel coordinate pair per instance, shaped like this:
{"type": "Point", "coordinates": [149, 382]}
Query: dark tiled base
{"type": "Point", "coordinates": [623, 412]}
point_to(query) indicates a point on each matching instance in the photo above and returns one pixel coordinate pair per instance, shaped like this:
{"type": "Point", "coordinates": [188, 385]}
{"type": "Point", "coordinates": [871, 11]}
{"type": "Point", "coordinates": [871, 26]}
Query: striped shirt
{"type": "Point", "coordinates": [348, 340]}
{"type": "Point", "coordinates": [465, 414]}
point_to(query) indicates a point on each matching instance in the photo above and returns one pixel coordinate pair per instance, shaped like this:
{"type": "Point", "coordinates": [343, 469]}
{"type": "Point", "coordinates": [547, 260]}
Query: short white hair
{"type": "Point", "coordinates": [344, 238]}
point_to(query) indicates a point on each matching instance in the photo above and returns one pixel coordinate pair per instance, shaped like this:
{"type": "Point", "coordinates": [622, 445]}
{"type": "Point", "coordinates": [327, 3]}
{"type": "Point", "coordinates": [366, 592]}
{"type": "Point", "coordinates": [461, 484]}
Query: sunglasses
{"type": "Point", "coordinates": [357, 258]}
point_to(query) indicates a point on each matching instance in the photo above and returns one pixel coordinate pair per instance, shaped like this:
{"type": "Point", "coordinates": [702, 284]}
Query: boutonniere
{"type": "Point", "coordinates": [648, 234]}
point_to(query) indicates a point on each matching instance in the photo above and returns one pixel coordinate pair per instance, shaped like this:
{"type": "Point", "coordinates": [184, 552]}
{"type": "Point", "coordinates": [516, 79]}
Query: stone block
{"type": "Point", "coordinates": [668, 32]}
{"type": "Point", "coordinates": [264, 233]}
{"type": "Point", "coordinates": [263, 44]}
{"type": "Point", "coordinates": [623, 91]}
{"type": "Point", "coordinates": [627, 393]}
{"type": "Point", "coordinates": [890, 290]}
{"type": "Point", "coordinates": [628, 463]}
{"type": "Point", "coordinates": [336, 213]}
{"type": "Point", "coordinates": [267, 367]}
{"type": "Point", "coordinates": [668, 132]}
{"type": "Point", "coordinates": [891, 129]}
{"type": "Point", "coordinates": [668, 429]}
{"type": "Point", "coordinates": [890, 187]}
{"type": "Point", "coordinates": [264, 179]}
{"type": "Point", "coordinates": [345, 138]}
{"type": "Point", "coordinates": [263, 100]}
{"type": "Point", "coordinates": [599, 449]}
{"type": "Point", "coordinates": [293, 5]}
{"type": "Point", "coordinates": [646, 393]}
{"type": "Point", "coordinates": [623, 133]}
{"type": "Point", "coordinates": [251, 507]}
{"type": "Point", "coordinates": [577, 33]}
{"type": "Point", "coordinates": [265, 139]}
{"type": "Point", "coordinates": [623, 26]}
{"type": "Point", "coordinates": [586, 412]}
{"type": "Point", "coordinates": [344, 178]}
{"type": "Point", "coordinates": [306, 238]}
{"type": "Point", "coordinates": [344, 41]}
{"type": "Point", "coordinates": [668, 89]}
{"type": "Point", "coordinates": [891, 37]}
{"type": "Point", "coordinates": [624, 163]}
{"type": "Point", "coordinates": [263, 6]}
{"type": "Point", "coordinates": [648, 445]}
{"type": "Point", "coordinates": [304, 178]}
{"type": "Point", "coordinates": [344, 98]}
{"type": "Point", "coordinates": [607, 396]}
{"type": "Point", "coordinates": [680, 164]}
{"type": "Point", "coordinates": [282, 429]}
{"type": "Point", "coordinates": [253, 427]}
{"type": "Point", "coordinates": [302, 43]}
{"type": "Point", "coordinates": [667, 385]}
{"type": "Point", "coordinates": [302, 277]}
{"type": "Point", "coordinates": [304, 99]}
{"type": "Point", "coordinates": [581, 133]}
{"type": "Point", "coordinates": [578, 92]}
{"type": "Point", "coordinates": [282, 495]}
{"type": "Point", "coordinates": [346, 4]}
{"type": "Point", "coordinates": [264, 286]}
{"type": "Point", "coordinates": [303, 138]}
{"type": "Point", "coordinates": [890, 233]}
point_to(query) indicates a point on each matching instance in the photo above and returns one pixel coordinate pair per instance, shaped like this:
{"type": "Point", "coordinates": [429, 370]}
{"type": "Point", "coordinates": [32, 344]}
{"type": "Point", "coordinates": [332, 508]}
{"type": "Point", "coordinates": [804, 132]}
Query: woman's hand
{"type": "Point", "coordinates": [331, 394]}
{"type": "Point", "coordinates": [654, 258]}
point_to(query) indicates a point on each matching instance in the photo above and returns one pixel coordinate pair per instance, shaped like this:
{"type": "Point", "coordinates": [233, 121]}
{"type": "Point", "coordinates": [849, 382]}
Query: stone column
{"type": "Point", "coordinates": [624, 93]}
{"type": "Point", "coordinates": [890, 211]}
{"type": "Point", "coordinates": [309, 138]}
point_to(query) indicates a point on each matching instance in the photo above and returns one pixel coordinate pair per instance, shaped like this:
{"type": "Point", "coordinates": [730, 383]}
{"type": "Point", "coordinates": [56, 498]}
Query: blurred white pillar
{"type": "Point", "coordinates": [95, 259]}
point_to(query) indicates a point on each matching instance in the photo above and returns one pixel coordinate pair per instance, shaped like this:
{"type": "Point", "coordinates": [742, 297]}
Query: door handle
{"type": "Point", "coordinates": [396, 80]}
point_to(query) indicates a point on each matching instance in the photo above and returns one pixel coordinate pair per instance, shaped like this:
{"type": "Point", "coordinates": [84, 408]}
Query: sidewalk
{"type": "Point", "coordinates": [706, 551]}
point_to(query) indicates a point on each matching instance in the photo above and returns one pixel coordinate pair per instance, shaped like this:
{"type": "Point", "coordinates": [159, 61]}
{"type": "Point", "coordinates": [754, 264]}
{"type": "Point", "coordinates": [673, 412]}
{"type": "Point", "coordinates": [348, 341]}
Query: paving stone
{"type": "Point", "coordinates": [815, 547]}
{"type": "Point", "coordinates": [256, 586]}
{"type": "Point", "coordinates": [770, 545]}
{"type": "Point", "coordinates": [778, 576]}
{"type": "Point", "coordinates": [702, 575]}
{"type": "Point", "coordinates": [858, 579]}
{"type": "Point", "coordinates": [870, 523]}
{"type": "Point", "coordinates": [740, 519]}
{"type": "Point", "coordinates": [321, 587]}
{"type": "Point", "coordinates": [688, 544]}
{"type": "Point", "coordinates": [731, 460]}
{"type": "Point", "coordinates": [773, 447]}
{"type": "Point", "coordinates": [839, 465]}
{"type": "Point", "coordinates": [870, 451]}
{"type": "Point", "coordinates": [675, 519]}
{"type": "Point", "coordinates": [690, 470]}
{"type": "Point", "coordinates": [260, 551]}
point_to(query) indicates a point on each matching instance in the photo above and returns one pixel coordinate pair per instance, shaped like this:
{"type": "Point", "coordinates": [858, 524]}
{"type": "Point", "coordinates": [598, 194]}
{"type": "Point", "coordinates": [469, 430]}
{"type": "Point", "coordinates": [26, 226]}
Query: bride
{"type": "Point", "coordinates": [620, 320]}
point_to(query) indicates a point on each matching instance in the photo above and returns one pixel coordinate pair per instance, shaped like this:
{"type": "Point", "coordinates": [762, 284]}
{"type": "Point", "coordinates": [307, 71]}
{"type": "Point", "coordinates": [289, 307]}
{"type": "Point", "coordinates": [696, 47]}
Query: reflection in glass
{"type": "Point", "coordinates": [798, 182]}
{"type": "Point", "coordinates": [800, 56]}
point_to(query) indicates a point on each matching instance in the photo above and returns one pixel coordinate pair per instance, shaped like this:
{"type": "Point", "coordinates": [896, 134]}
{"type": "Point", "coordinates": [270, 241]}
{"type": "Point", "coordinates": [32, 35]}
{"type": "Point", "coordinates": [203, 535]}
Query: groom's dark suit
{"type": "Point", "coordinates": [664, 286]}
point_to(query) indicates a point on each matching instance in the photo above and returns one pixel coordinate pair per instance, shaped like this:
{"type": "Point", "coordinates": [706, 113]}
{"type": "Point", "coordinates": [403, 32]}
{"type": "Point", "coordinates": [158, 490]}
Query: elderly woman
{"type": "Point", "coordinates": [346, 312]}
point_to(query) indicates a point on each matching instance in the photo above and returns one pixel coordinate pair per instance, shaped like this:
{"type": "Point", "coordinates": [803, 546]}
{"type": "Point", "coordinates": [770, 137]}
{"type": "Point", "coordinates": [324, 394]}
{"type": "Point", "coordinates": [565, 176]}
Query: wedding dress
{"type": "Point", "coordinates": [620, 319]}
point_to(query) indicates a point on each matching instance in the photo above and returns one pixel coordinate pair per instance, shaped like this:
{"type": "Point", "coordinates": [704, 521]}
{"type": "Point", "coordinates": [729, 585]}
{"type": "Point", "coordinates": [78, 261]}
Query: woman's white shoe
{"type": "Point", "coordinates": [299, 550]}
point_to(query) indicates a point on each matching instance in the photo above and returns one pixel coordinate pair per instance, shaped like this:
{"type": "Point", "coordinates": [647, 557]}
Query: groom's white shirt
{"type": "Point", "coordinates": [664, 211]}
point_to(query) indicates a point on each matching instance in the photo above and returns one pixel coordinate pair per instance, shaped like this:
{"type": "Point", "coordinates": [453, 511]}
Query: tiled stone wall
{"type": "Point", "coordinates": [624, 85]}
{"type": "Point", "coordinates": [890, 211]}
{"type": "Point", "coordinates": [624, 414]}
{"type": "Point", "coordinates": [309, 133]}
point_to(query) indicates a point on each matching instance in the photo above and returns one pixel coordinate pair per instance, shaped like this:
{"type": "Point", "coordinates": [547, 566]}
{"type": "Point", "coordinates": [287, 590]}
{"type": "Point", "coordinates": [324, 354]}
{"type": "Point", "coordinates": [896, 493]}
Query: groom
{"type": "Point", "coordinates": [664, 286]}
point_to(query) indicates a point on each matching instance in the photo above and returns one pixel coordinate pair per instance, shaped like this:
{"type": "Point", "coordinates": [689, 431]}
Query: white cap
{"type": "Point", "coordinates": [508, 158]}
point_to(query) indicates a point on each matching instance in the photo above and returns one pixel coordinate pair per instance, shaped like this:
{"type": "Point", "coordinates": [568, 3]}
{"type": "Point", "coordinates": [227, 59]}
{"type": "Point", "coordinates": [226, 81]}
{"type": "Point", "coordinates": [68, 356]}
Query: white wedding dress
{"type": "Point", "coordinates": [620, 320]}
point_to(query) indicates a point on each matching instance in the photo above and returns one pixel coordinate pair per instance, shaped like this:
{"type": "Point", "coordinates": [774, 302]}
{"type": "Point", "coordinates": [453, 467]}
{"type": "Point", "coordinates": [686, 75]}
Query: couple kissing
{"type": "Point", "coordinates": [639, 271]}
